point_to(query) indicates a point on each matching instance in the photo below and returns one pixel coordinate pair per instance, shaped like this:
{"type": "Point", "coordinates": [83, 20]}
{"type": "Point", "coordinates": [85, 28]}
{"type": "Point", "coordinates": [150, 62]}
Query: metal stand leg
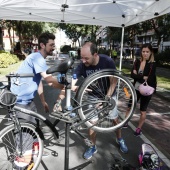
{"type": "Point", "coordinates": [67, 136]}
{"type": "Point", "coordinates": [66, 163]}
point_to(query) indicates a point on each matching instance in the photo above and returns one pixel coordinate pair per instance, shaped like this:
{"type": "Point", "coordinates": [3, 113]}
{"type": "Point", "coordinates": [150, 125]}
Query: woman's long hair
{"type": "Point", "coordinates": [149, 46]}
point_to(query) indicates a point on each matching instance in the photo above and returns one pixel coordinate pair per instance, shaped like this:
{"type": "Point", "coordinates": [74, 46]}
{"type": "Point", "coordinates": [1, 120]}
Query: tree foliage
{"type": "Point", "coordinates": [161, 26]}
{"type": "Point", "coordinates": [27, 30]}
{"type": "Point", "coordinates": [75, 31]}
{"type": "Point", "coordinates": [112, 34]}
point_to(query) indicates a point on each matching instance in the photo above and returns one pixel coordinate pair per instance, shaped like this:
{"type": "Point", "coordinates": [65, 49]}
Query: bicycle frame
{"type": "Point", "coordinates": [38, 116]}
{"type": "Point", "coordinates": [70, 123]}
{"type": "Point", "coordinates": [16, 121]}
{"type": "Point", "coordinates": [17, 129]}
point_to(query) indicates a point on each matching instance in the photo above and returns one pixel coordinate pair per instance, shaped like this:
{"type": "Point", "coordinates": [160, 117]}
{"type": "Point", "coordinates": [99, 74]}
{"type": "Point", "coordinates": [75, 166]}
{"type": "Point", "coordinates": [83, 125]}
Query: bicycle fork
{"type": "Point", "coordinates": [17, 131]}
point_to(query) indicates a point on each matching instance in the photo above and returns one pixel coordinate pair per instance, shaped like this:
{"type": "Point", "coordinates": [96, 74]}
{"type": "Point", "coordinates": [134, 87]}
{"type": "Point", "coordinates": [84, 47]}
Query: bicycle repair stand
{"type": "Point", "coordinates": [67, 135]}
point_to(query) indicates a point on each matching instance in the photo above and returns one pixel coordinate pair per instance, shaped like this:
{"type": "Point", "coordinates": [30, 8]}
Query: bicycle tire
{"type": "Point", "coordinates": [125, 92]}
{"type": "Point", "coordinates": [32, 145]}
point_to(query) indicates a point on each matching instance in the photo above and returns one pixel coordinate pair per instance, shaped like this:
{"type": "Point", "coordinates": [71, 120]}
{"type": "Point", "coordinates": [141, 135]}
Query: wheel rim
{"type": "Point", "coordinates": [123, 92]}
{"type": "Point", "coordinates": [11, 156]}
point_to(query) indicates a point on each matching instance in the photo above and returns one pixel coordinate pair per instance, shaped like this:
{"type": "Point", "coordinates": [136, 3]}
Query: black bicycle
{"type": "Point", "coordinates": [21, 142]}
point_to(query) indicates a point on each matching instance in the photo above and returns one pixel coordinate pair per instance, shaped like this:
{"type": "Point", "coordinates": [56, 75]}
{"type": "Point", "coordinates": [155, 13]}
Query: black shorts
{"type": "Point", "coordinates": [144, 101]}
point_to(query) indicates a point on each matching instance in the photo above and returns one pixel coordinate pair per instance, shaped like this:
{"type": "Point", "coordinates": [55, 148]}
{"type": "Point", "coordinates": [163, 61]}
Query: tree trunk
{"type": "Point", "coordinates": [10, 38]}
{"type": "Point", "coordinates": [1, 36]}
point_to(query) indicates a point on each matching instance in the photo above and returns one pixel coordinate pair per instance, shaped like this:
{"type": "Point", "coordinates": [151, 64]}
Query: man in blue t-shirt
{"type": "Point", "coordinates": [92, 62]}
{"type": "Point", "coordinates": [35, 63]}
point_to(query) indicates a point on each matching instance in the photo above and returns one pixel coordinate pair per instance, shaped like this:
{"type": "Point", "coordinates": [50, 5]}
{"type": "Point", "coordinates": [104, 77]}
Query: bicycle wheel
{"type": "Point", "coordinates": [10, 148]}
{"type": "Point", "coordinates": [101, 111]}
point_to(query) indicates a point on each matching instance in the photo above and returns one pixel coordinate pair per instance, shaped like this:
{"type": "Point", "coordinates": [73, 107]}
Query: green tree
{"type": "Point", "coordinates": [27, 29]}
{"type": "Point", "coordinates": [112, 35]}
{"type": "Point", "coordinates": [131, 33]}
{"type": "Point", "coordinates": [1, 31]}
{"type": "Point", "coordinates": [75, 31]}
{"type": "Point", "coordinates": [161, 26]}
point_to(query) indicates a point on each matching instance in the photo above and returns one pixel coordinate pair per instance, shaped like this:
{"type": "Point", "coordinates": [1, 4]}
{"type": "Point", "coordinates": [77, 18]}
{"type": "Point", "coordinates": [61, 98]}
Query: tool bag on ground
{"type": "Point", "coordinates": [149, 159]}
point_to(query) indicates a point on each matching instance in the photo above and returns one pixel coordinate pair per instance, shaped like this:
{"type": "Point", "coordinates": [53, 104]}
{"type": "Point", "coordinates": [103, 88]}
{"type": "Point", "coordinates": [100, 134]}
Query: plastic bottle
{"type": "Point", "coordinates": [74, 76]}
{"type": "Point", "coordinates": [59, 77]}
{"type": "Point", "coordinates": [62, 78]}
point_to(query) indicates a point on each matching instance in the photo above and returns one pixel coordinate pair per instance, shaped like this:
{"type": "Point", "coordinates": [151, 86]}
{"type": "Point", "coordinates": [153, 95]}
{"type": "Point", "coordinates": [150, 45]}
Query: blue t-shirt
{"type": "Point", "coordinates": [102, 85]}
{"type": "Point", "coordinates": [34, 63]}
{"type": "Point", "coordinates": [104, 63]}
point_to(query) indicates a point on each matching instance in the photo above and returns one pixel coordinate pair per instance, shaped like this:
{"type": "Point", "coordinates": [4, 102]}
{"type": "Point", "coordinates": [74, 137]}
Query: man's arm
{"type": "Point", "coordinates": [42, 98]}
{"type": "Point", "coordinates": [73, 84]}
{"type": "Point", "coordinates": [113, 83]}
{"type": "Point", "coordinates": [54, 83]}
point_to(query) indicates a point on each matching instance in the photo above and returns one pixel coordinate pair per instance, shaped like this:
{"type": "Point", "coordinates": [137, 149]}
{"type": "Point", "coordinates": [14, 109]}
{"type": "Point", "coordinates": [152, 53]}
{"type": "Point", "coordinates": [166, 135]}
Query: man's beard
{"type": "Point", "coordinates": [87, 65]}
{"type": "Point", "coordinates": [50, 53]}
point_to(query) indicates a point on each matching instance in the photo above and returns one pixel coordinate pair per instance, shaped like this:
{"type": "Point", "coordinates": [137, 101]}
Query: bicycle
{"type": "Point", "coordinates": [88, 103]}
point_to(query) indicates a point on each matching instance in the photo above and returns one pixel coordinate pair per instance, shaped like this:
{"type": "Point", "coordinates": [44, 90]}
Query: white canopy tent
{"type": "Point", "coordinates": [115, 13]}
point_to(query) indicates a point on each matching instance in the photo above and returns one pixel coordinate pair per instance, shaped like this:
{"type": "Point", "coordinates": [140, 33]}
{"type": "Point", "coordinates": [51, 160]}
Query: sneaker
{"type": "Point", "coordinates": [122, 145]}
{"type": "Point", "coordinates": [138, 132]}
{"type": "Point", "coordinates": [125, 126]}
{"type": "Point", "coordinates": [89, 152]}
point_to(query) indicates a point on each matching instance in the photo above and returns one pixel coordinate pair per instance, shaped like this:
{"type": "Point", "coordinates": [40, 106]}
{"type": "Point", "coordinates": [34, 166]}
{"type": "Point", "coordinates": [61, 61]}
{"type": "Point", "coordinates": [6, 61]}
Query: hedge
{"type": "Point", "coordinates": [7, 59]}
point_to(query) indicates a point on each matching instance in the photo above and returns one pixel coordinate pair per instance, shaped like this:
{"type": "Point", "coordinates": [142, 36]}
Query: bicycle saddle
{"type": "Point", "coordinates": [62, 67]}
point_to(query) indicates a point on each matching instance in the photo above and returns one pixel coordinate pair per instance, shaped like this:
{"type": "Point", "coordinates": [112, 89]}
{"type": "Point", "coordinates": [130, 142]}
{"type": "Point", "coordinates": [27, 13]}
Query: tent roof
{"type": "Point", "coordinates": [91, 12]}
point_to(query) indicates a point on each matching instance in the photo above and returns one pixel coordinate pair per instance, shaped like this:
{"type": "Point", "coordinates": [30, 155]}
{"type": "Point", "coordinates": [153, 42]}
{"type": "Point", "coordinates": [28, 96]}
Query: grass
{"type": "Point", "coordinates": [163, 82]}
{"type": "Point", "coordinates": [11, 68]}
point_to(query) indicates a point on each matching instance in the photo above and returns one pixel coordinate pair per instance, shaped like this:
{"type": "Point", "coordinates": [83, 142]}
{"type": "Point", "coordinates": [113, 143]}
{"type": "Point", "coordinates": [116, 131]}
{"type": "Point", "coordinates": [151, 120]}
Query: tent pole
{"type": "Point", "coordinates": [120, 64]}
{"type": "Point", "coordinates": [121, 49]}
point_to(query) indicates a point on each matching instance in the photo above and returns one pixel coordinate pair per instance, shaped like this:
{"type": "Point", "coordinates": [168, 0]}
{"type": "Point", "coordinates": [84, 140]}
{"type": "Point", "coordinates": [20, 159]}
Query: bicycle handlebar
{"type": "Point", "coordinates": [20, 75]}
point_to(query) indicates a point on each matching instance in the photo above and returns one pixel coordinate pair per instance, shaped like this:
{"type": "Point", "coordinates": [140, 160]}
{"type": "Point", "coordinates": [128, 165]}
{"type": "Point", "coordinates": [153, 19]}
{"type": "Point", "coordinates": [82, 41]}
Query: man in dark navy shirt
{"type": "Point", "coordinates": [92, 62]}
